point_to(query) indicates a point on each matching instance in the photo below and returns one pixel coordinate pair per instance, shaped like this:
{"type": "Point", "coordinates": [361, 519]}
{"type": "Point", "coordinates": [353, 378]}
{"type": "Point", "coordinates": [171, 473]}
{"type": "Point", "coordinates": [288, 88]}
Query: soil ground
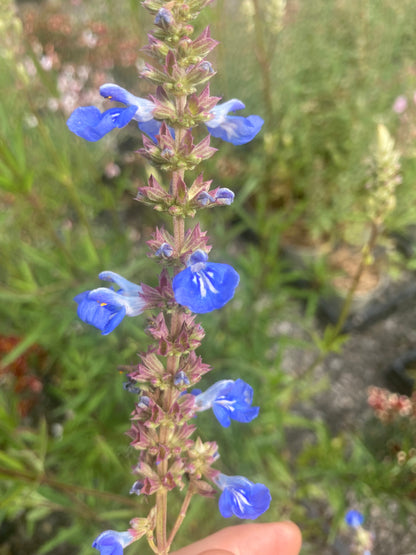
{"type": "Point", "coordinates": [364, 362]}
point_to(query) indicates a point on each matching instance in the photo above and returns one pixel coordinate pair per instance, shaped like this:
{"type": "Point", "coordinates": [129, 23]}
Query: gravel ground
{"type": "Point", "coordinates": [363, 362]}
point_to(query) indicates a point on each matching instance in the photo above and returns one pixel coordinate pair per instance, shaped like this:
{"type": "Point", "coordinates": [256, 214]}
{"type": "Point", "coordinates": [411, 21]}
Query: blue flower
{"type": "Point", "coordinates": [204, 286]}
{"type": "Point", "coordinates": [242, 498]}
{"type": "Point", "coordinates": [354, 518]}
{"type": "Point", "coordinates": [233, 129]}
{"type": "Point", "coordinates": [90, 124]}
{"type": "Point", "coordinates": [105, 308]}
{"type": "Point", "coordinates": [111, 542]}
{"type": "Point", "coordinates": [229, 400]}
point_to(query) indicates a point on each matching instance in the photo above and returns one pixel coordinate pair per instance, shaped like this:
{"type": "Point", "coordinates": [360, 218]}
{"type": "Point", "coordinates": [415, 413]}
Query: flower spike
{"type": "Point", "coordinates": [242, 498]}
{"type": "Point", "coordinates": [105, 308]}
{"type": "Point", "coordinates": [229, 400]}
{"type": "Point", "coordinates": [204, 286]}
{"type": "Point", "coordinates": [111, 542]}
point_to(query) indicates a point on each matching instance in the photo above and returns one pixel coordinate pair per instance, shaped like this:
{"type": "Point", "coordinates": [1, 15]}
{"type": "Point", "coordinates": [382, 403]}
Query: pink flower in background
{"type": "Point", "coordinates": [400, 104]}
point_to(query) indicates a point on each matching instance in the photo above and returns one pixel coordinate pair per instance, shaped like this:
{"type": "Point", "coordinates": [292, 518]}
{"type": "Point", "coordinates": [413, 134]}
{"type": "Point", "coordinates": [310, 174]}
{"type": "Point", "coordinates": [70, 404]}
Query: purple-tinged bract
{"type": "Point", "coordinates": [204, 286]}
{"type": "Point", "coordinates": [242, 498]}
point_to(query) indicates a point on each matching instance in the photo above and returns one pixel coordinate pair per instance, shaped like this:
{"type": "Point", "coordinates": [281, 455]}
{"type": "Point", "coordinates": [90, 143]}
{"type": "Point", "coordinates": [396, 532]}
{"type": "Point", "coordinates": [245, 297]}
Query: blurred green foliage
{"type": "Point", "coordinates": [322, 78]}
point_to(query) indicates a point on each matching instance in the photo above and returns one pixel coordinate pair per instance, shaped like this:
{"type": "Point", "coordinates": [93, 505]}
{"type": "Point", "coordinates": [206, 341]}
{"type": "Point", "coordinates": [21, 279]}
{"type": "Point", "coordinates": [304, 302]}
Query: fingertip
{"type": "Point", "coordinates": [288, 536]}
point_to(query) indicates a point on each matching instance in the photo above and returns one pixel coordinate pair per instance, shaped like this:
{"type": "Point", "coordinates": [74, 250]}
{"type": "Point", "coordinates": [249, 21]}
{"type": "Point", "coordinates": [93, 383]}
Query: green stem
{"type": "Point", "coordinates": [181, 516]}
{"type": "Point", "coordinates": [263, 59]}
{"type": "Point", "coordinates": [173, 361]}
{"type": "Point", "coordinates": [161, 518]}
{"type": "Point", "coordinates": [69, 489]}
{"type": "Point", "coordinates": [346, 305]}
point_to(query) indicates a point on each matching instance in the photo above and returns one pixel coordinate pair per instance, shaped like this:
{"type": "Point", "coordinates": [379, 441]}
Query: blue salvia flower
{"type": "Point", "coordinates": [242, 498]}
{"type": "Point", "coordinates": [233, 129]}
{"type": "Point", "coordinates": [111, 542]}
{"type": "Point", "coordinates": [105, 308]}
{"type": "Point", "coordinates": [90, 124]}
{"type": "Point", "coordinates": [354, 518]}
{"type": "Point", "coordinates": [229, 400]}
{"type": "Point", "coordinates": [364, 538]}
{"type": "Point", "coordinates": [204, 286]}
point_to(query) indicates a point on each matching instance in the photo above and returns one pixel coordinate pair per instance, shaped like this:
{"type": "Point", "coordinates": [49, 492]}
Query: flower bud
{"type": "Point", "coordinates": [164, 19]}
{"type": "Point", "coordinates": [224, 196]}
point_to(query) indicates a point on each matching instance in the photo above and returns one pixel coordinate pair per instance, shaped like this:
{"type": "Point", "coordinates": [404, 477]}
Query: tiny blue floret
{"type": "Point", "coordinates": [229, 400]}
{"type": "Point", "coordinates": [233, 129]}
{"type": "Point", "coordinates": [354, 518]}
{"type": "Point", "coordinates": [181, 379]}
{"type": "Point", "coordinates": [242, 498]}
{"type": "Point", "coordinates": [164, 18]}
{"type": "Point", "coordinates": [105, 308]}
{"type": "Point", "coordinates": [111, 542]}
{"type": "Point", "coordinates": [224, 196]}
{"type": "Point", "coordinates": [204, 286]}
{"type": "Point", "coordinates": [136, 488]}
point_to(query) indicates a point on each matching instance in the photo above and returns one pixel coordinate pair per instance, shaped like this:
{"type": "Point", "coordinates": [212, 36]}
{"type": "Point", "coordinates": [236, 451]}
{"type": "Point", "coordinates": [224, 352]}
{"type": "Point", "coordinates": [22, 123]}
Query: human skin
{"type": "Point", "coordinates": [276, 538]}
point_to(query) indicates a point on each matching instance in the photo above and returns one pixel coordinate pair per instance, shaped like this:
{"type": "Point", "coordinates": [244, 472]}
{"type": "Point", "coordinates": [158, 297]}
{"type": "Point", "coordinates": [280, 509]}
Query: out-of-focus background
{"type": "Point", "coordinates": [323, 75]}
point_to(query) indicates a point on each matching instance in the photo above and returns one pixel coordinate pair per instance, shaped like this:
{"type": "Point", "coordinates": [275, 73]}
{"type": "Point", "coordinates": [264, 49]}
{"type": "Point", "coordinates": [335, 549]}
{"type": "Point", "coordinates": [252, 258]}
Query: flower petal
{"type": "Point", "coordinates": [151, 128]}
{"type": "Point", "coordinates": [105, 308]}
{"type": "Point", "coordinates": [207, 289]}
{"type": "Point", "coordinates": [220, 111]}
{"type": "Point", "coordinates": [111, 542]}
{"type": "Point", "coordinates": [237, 129]}
{"type": "Point", "coordinates": [229, 400]}
{"type": "Point", "coordinates": [126, 286]}
{"type": "Point", "coordinates": [99, 314]}
{"type": "Point", "coordinates": [222, 415]}
{"type": "Point", "coordinates": [144, 107]}
{"type": "Point", "coordinates": [242, 498]}
{"type": "Point", "coordinates": [90, 124]}
{"type": "Point", "coordinates": [354, 518]}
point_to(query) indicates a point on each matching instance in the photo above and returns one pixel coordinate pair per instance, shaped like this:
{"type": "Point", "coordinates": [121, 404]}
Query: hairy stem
{"type": "Point", "coordinates": [181, 516]}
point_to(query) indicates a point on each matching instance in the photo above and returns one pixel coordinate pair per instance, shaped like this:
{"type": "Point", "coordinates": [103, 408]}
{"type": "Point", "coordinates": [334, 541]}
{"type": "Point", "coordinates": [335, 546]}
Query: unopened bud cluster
{"type": "Point", "coordinates": [384, 177]}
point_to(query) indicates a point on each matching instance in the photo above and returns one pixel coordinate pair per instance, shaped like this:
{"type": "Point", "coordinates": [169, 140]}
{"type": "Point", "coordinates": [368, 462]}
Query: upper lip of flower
{"type": "Point", "coordinates": [144, 106]}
